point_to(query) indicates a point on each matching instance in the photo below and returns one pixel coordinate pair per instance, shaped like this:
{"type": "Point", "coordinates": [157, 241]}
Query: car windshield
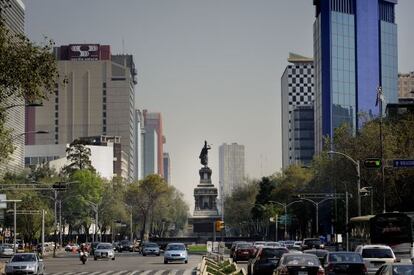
{"type": "Point", "coordinates": [377, 253]}
{"type": "Point", "coordinates": [345, 257]}
{"type": "Point", "coordinates": [175, 247]}
{"type": "Point", "coordinates": [104, 246]}
{"type": "Point", "coordinates": [244, 245]}
{"type": "Point", "coordinates": [273, 253]}
{"type": "Point", "coordinates": [313, 241]}
{"type": "Point", "coordinates": [302, 260]}
{"type": "Point", "coordinates": [151, 245]}
{"type": "Point", "coordinates": [125, 242]}
{"type": "Point", "coordinates": [318, 253]}
{"type": "Point", "coordinates": [24, 258]}
{"type": "Point", "coordinates": [403, 270]}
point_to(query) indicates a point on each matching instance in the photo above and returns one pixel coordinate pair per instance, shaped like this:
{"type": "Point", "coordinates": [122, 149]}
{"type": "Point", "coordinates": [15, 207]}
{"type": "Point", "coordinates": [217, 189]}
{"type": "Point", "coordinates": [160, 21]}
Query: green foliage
{"type": "Point", "coordinates": [266, 186]}
{"type": "Point", "coordinates": [79, 156]}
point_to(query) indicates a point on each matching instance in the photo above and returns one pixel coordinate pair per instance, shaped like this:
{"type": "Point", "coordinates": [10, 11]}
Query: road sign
{"type": "Point", "coordinates": [209, 246]}
{"type": "Point", "coordinates": [403, 163]}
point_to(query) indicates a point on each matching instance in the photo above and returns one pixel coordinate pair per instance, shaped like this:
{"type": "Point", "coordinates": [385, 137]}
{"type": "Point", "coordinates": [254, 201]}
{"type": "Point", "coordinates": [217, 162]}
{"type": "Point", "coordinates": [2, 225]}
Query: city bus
{"type": "Point", "coordinates": [392, 229]}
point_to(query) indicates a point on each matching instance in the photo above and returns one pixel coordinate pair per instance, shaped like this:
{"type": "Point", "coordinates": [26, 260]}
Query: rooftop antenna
{"type": "Point", "coordinates": [123, 46]}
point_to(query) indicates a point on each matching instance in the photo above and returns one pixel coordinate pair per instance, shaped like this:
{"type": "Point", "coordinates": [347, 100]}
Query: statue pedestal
{"type": "Point", "coordinates": [205, 208]}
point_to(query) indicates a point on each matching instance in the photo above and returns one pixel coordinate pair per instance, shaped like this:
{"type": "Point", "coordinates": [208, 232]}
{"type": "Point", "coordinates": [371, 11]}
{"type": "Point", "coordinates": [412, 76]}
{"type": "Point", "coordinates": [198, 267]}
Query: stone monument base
{"type": "Point", "coordinates": [203, 226]}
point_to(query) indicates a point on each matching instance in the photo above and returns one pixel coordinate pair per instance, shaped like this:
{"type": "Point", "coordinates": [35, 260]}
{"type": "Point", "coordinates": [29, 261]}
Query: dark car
{"type": "Point", "coordinates": [266, 260]}
{"type": "Point", "coordinates": [344, 263]}
{"type": "Point", "coordinates": [310, 243]}
{"type": "Point", "coordinates": [396, 269]}
{"type": "Point", "coordinates": [320, 253]}
{"type": "Point", "coordinates": [299, 264]}
{"type": "Point", "coordinates": [233, 247]}
{"type": "Point", "coordinates": [243, 252]}
{"type": "Point", "coordinates": [125, 245]}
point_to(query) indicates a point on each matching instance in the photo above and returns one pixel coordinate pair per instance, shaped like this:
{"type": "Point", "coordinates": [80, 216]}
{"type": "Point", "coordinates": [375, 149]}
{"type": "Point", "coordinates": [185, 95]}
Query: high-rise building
{"type": "Point", "coordinates": [355, 52]}
{"type": "Point", "coordinates": [153, 121]}
{"type": "Point", "coordinates": [95, 96]}
{"type": "Point", "coordinates": [406, 85]}
{"type": "Point", "coordinates": [167, 168]}
{"type": "Point", "coordinates": [231, 168]}
{"type": "Point", "coordinates": [139, 133]}
{"type": "Point", "coordinates": [13, 13]}
{"type": "Point", "coordinates": [303, 134]}
{"type": "Point", "coordinates": [297, 90]}
{"type": "Point", "coordinates": [150, 152]}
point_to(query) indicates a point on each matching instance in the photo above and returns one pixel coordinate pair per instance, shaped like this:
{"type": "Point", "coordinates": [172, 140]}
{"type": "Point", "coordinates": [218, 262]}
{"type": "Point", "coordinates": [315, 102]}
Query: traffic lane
{"type": "Point", "coordinates": [123, 261]}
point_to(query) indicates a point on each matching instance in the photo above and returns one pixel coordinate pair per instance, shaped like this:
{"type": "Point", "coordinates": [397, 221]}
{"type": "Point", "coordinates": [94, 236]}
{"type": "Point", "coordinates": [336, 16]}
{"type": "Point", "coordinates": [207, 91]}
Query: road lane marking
{"type": "Point", "coordinates": [146, 272]}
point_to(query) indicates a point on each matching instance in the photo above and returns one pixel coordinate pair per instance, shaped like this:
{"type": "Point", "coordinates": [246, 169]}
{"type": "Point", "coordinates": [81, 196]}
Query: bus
{"type": "Point", "coordinates": [392, 229]}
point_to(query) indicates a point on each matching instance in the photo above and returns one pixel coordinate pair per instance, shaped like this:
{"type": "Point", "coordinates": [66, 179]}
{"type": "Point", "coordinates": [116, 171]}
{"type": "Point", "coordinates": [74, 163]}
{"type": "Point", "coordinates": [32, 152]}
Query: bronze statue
{"type": "Point", "coordinates": [204, 154]}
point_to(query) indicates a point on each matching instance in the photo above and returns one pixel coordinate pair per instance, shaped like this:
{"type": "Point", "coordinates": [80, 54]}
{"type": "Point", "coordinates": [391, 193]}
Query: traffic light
{"type": "Point", "coordinates": [373, 163]}
{"type": "Point", "coordinates": [219, 225]}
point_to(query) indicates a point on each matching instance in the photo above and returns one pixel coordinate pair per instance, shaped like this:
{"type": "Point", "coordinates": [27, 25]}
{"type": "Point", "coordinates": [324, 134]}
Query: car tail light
{"type": "Point", "coordinates": [330, 267]}
{"type": "Point", "coordinates": [364, 269]}
{"type": "Point", "coordinates": [284, 271]}
{"type": "Point", "coordinates": [321, 271]}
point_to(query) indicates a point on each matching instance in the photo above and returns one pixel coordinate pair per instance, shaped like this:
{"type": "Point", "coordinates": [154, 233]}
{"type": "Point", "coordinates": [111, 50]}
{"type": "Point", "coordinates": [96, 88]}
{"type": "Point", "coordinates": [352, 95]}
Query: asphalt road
{"type": "Point", "coordinates": [124, 264]}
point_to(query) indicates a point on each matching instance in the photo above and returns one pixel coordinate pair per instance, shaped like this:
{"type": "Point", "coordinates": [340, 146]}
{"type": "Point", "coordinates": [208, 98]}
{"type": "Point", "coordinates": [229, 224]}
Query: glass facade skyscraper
{"type": "Point", "coordinates": [355, 50]}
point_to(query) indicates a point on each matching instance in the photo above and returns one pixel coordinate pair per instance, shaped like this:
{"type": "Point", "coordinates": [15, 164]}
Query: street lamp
{"type": "Point", "coordinates": [285, 206]}
{"type": "Point", "coordinates": [317, 210]}
{"type": "Point", "coordinates": [130, 220]}
{"type": "Point", "coordinates": [368, 191]}
{"type": "Point", "coordinates": [95, 209]}
{"type": "Point", "coordinates": [14, 221]}
{"type": "Point", "coordinates": [358, 170]}
{"type": "Point", "coordinates": [22, 105]}
{"type": "Point", "coordinates": [30, 132]}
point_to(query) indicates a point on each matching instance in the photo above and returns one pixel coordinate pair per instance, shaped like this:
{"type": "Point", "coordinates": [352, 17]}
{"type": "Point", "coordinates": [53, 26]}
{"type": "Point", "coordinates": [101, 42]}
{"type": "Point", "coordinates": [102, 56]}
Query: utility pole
{"type": "Point", "coordinates": [43, 231]}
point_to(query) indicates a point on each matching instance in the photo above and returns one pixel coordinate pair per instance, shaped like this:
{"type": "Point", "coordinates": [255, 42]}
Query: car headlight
{"type": "Point", "coordinates": [31, 267]}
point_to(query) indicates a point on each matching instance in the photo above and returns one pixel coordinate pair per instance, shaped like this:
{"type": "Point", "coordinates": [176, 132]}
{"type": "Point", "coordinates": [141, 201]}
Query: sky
{"type": "Point", "coordinates": [211, 67]}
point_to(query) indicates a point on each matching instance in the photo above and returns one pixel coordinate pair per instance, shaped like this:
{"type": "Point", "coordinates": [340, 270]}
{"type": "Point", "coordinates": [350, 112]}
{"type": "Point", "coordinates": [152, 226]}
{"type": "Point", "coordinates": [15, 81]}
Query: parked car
{"type": "Point", "coordinates": [243, 252]}
{"type": "Point", "coordinates": [125, 245]}
{"type": "Point", "coordinates": [6, 250]}
{"type": "Point", "coordinates": [320, 253]}
{"type": "Point", "coordinates": [310, 243]}
{"type": "Point", "coordinates": [299, 264]}
{"type": "Point", "coordinates": [265, 260]}
{"type": "Point", "coordinates": [344, 263]}
{"type": "Point", "coordinates": [24, 263]}
{"type": "Point", "coordinates": [150, 249]}
{"type": "Point", "coordinates": [175, 252]}
{"type": "Point", "coordinates": [104, 251]}
{"type": "Point", "coordinates": [396, 269]}
{"type": "Point", "coordinates": [375, 256]}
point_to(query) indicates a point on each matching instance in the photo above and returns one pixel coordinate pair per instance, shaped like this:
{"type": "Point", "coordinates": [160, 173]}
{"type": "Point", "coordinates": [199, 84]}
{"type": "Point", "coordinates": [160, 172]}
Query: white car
{"type": "Point", "coordinates": [25, 263]}
{"type": "Point", "coordinates": [104, 251]}
{"type": "Point", "coordinates": [175, 252]}
{"type": "Point", "coordinates": [375, 256]}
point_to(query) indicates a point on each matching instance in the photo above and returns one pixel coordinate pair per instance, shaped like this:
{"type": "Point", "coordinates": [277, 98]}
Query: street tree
{"type": "Point", "coordinates": [79, 156]}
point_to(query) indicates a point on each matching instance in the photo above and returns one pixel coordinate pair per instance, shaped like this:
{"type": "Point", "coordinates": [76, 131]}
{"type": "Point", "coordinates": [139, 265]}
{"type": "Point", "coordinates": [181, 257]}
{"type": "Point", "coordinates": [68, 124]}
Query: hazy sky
{"type": "Point", "coordinates": [211, 67]}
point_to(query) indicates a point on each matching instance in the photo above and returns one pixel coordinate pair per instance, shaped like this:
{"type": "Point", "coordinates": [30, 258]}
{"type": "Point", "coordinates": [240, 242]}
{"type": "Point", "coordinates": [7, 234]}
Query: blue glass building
{"type": "Point", "coordinates": [355, 52]}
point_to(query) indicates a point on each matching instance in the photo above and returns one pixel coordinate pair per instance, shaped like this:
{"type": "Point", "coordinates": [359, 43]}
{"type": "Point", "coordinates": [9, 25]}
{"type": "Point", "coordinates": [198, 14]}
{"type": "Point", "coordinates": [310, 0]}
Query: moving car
{"type": "Point", "coordinates": [150, 249]}
{"type": "Point", "coordinates": [6, 250]}
{"type": "Point", "coordinates": [93, 247]}
{"type": "Point", "coordinates": [344, 263]}
{"type": "Point", "coordinates": [299, 264]}
{"type": "Point", "coordinates": [175, 252]}
{"type": "Point", "coordinates": [396, 269]}
{"type": "Point", "coordinates": [265, 260]}
{"type": "Point", "coordinates": [104, 251]}
{"type": "Point", "coordinates": [24, 263]}
{"type": "Point", "coordinates": [310, 243]}
{"type": "Point", "coordinates": [375, 256]}
{"type": "Point", "coordinates": [320, 253]}
{"type": "Point", "coordinates": [125, 245]}
{"type": "Point", "coordinates": [243, 252]}
{"type": "Point", "coordinates": [233, 247]}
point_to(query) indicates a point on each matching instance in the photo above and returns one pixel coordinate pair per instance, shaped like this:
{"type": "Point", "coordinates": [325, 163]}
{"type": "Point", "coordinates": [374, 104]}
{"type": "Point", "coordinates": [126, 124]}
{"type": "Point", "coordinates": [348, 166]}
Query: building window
{"type": "Point", "coordinates": [56, 122]}
{"type": "Point", "coordinates": [56, 129]}
{"type": "Point", "coordinates": [56, 107]}
{"type": "Point", "coordinates": [104, 84]}
{"type": "Point", "coordinates": [56, 114]}
{"type": "Point", "coordinates": [104, 106]}
{"type": "Point", "coordinates": [104, 93]}
{"type": "Point", "coordinates": [104, 99]}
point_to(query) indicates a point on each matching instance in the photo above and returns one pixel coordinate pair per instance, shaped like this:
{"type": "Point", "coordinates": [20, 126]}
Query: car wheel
{"type": "Point", "coordinates": [143, 254]}
{"type": "Point", "coordinates": [158, 254]}
{"type": "Point", "coordinates": [186, 261]}
{"type": "Point", "coordinates": [94, 258]}
{"type": "Point", "coordinates": [165, 262]}
{"type": "Point", "coordinates": [113, 259]}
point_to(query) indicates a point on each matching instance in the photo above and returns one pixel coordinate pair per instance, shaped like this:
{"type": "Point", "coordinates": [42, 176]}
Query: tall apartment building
{"type": "Point", "coordinates": [231, 168]}
{"type": "Point", "coordinates": [355, 52]}
{"type": "Point", "coordinates": [94, 96]}
{"type": "Point", "coordinates": [406, 85]}
{"type": "Point", "coordinates": [167, 168]}
{"type": "Point", "coordinates": [13, 14]}
{"type": "Point", "coordinates": [303, 126]}
{"type": "Point", "coordinates": [139, 135]}
{"type": "Point", "coordinates": [153, 129]}
{"type": "Point", "coordinates": [297, 88]}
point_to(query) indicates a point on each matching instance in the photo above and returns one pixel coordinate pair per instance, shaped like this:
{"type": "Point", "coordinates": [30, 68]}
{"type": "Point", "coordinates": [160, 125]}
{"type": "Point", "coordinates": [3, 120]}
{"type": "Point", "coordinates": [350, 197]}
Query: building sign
{"type": "Point", "coordinates": [403, 163]}
{"type": "Point", "coordinates": [84, 52]}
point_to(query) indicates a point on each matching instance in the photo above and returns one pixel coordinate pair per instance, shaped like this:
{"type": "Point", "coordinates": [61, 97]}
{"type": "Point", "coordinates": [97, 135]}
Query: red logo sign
{"type": "Point", "coordinates": [84, 52]}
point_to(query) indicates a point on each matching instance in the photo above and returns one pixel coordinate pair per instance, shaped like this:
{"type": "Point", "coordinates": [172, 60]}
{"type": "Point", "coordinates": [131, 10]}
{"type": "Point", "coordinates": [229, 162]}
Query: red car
{"type": "Point", "coordinates": [243, 252]}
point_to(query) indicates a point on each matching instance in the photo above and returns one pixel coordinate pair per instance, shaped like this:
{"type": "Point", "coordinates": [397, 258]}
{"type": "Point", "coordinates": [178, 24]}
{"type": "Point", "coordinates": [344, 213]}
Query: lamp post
{"type": "Point", "coordinates": [30, 132]}
{"type": "Point", "coordinates": [358, 170]}
{"type": "Point", "coordinates": [22, 105]}
{"type": "Point", "coordinates": [285, 206]}
{"type": "Point", "coordinates": [368, 191]}
{"type": "Point", "coordinates": [317, 210]}
{"type": "Point", "coordinates": [131, 234]}
{"type": "Point", "coordinates": [14, 221]}
{"type": "Point", "coordinates": [95, 209]}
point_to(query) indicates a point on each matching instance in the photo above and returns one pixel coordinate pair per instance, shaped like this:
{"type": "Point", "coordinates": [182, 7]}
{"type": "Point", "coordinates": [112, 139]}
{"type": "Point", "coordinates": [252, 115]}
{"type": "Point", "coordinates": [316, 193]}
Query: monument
{"type": "Point", "coordinates": [205, 194]}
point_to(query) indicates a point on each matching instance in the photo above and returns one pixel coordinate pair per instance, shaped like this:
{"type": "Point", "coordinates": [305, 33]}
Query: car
{"type": "Point", "coordinates": [297, 245]}
{"type": "Point", "coordinates": [294, 263]}
{"type": "Point", "coordinates": [265, 260]}
{"type": "Point", "coordinates": [396, 269]}
{"type": "Point", "coordinates": [24, 263]}
{"type": "Point", "coordinates": [344, 263]}
{"type": "Point", "coordinates": [233, 247]}
{"type": "Point", "coordinates": [288, 244]}
{"type": "Point", "coordinates": [6, 250]}
{"type": "Point", "coordinates": [175, 252]}
{"type": "Point", "coordinates": [93, 247]}
{"type": "Point", "coordinates": [125, 245]}
{"type": "Point", "coordinates": [104, 251]}
{"type": "Point", "coordinates": [243, 252]}
{"type": "Point", "coordinates": [273, 244]}
{"type": "Point", "coordinates": [375, 256]}
{"type": "Point", "coordinates": [150, 249]}
{"type": "Point", "coordinates": [320, 253]}
{"type": "Point", "coordinates": [310, 243]}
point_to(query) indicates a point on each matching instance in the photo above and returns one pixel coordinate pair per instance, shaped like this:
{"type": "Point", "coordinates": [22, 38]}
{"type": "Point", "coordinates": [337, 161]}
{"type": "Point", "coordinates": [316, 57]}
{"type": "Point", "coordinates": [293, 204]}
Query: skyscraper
{"type": "Point", "coordinates": [231, 168]}
{"type": "Point", "coordinates": [13, 14]}
{"type": "Point", "coordinates": [355, 52]}
{"type": "Point", "coordinates": [167, 168]}
{"type": "Point", "coordinates": [98, 98]}
{"type": "Point", "coordinates": [297, 91]}
{"type": "Point", "coordinates": [153, 122]}
{"type": "Point", "coordinates": [406, 85]}
{"type": "Point", "coordinates": [139, 133]}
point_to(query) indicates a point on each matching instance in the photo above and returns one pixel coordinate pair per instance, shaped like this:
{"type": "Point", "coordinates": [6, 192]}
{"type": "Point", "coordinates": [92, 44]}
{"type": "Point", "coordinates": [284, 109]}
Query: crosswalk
{"type": "Point", "coordinates": [129, 272]}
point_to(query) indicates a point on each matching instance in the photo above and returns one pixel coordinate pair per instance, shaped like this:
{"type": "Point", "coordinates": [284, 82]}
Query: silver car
{"type": "Point", "coordinates": [175, 252]}
{"type": "Point", "coordinates": [104, 251]}
{"type": "Point", "coordinates": [150, 249]}
{"type": "Point", "coordinates": [6, 250]}
{"type": "Point", "coordinates": [25, 263]}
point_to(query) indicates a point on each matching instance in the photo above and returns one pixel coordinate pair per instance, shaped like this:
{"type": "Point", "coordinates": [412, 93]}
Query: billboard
{"type": "Point", "coordinates": [83, 52]}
